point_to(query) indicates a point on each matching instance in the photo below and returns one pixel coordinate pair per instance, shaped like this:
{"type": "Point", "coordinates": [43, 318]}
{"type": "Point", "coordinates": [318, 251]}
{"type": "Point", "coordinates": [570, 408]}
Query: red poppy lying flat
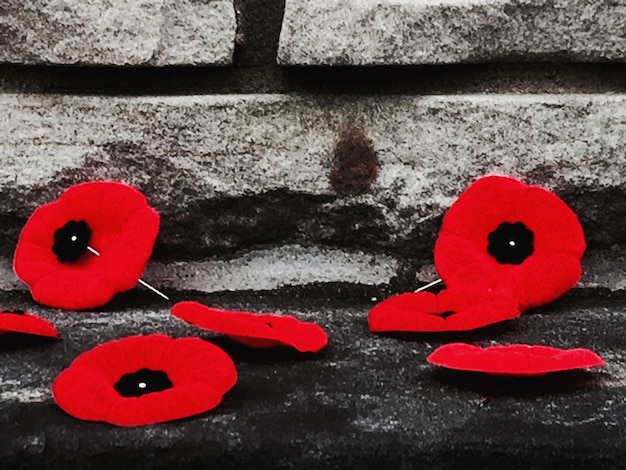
{"type": "Point", "coordinates": [256, 330]}
{"type": "Point", "coordinates": [450, 310]}
{"type": "Point", "coordinates": [27, 323]}
{"type": "Point", "coordinates": [144, 380]}
{"type": "Point", "coordinates": [52, 257]}
{"type": "Point", "coordinates": [516, 359]}
{"type": "Point", "coordinates": [505, 235]}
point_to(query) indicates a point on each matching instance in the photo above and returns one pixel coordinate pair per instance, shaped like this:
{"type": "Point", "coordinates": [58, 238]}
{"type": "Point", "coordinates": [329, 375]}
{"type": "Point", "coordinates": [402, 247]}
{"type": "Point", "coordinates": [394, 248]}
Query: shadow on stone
{"type": "Point", "coordinates": [242, 353]}
{"type": "Point", "coordinates": [493, 386]}
{"type": "Point", "coordinates": [487, 333]}
{"type": "Point", "coordinates": [18, 341]}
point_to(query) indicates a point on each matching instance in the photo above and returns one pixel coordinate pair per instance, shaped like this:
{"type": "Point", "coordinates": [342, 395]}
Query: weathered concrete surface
{"type": "Point", "coordinates": [231, 173]}
{"type": "Point", "coordinates": [330, 270]}
{"type": "Point", "coordinates": [375, 32]}
{"type": "Point", "coordinates": [117, 32]}
{"type": "Point", "coordinates": [366, 402]}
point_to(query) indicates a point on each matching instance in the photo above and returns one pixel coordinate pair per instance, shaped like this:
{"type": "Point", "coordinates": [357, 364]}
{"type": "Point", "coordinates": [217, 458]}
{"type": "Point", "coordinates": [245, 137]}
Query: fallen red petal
{"type": "Point", "coordinates": [517, 359]}
{"type": "Point", "coordinates": [255, 330]}
{"type": "Point", "coordinates": [26, 323]}
{"type": "Point", "coordinates": [450, 310]}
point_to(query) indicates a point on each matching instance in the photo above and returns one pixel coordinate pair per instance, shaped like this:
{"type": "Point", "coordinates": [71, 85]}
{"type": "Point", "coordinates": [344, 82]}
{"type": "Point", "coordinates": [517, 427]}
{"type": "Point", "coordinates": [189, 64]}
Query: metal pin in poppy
{"type": "Point", "coordinates": [521, 360]}
{"type": "Point", "coordinates": [449, 310]}
{"type": "Point", "coordinates": [255, 330]}
{"type": "Point", "coordinates": [143, 380]}
{"type": "Point", "coordinates": [17, 321]}
{"type": "Point", "coordinates": [505, 235]}
{"type": "Point", "coordinates": [93, 242]}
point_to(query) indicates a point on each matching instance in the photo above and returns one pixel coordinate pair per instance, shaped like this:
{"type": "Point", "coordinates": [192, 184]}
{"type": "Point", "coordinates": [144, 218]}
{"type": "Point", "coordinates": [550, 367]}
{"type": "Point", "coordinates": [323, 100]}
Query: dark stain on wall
{"type": "Point", "coordinates": [356, 167]}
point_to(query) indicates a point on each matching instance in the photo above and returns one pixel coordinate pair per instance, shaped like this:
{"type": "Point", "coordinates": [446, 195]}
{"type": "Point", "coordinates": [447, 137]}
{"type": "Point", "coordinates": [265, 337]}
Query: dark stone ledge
{"type": "Point", "coordinates": [366, 402]}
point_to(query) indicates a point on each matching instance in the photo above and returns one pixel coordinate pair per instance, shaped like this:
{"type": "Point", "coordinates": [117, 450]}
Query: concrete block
{"type": "Point", "coordinates": [382, 32]}
{"type": "Point", "coordinates": [116, 32]}
{"type": "Point", "coordinates": [249, 172]}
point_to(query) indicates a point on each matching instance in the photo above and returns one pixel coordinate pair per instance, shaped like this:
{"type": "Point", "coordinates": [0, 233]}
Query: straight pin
{"type": "Point", "coordinates": [153, 289]}
{"type": "Point", "coordinates": [141, 281]}
{"type": "Point", "coordinates": [92, 250]}
{"type": "Point", "coordinates": [429, 285]}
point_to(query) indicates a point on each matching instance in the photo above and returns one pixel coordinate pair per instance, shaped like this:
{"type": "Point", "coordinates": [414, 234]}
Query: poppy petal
{"type": "Point", "coordinates": [122, 227]}
{"type": "Point", "coordinates": [517, 359]}
{"type": "Point", "coordinates": [196, 373]}
{"type": "Point", "coordinates": [504, 235]}
{"type": "Point", "coordinates": [27, 323]}
{"type": "Point", "coordinates": [255, 330]}
{"type": "Point", "coordinates": [450, 310]}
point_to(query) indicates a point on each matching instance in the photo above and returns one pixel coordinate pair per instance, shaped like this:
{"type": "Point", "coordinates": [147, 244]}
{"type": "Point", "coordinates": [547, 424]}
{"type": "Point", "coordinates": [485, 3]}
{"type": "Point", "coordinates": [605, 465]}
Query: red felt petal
{"type": "Point", "coordinates": [555, 226]}
{"type": "Point", "coordinates": [199, 371]}
{"type": "Point", "coordinates": [253, 329]}
{"type": "Point", "coordinates": [421, 311]}
{"type": "Point", "coordinates": [26, 323]}
{"type": "Point", "coordinates": [518, 359]}
{"type": "Point", "coordinates": [462, 259]}
{"type": "Point", "coordinates": [482, 207]}
{"type": "Point", "coordinates": [124, 229]}
{"type": "Point", "coordinates": [537, 281]}
{"type": "Point", "coordinates": [546, 279]}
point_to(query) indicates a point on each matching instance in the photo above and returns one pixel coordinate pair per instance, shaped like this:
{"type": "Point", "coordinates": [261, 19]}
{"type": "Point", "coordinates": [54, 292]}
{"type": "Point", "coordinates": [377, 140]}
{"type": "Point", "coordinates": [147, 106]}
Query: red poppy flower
{"type": "Point", "coordinates": [52, 257]}
{"type": "Point", "coordinates": [255, 330]}
{"type": "Point", "coordinates": [505, 235]}
{"type": "Point", "coordinates": [27, 323]}
{"type": "Point", "coordinates": [144, 380]}
{"type": "Point", "coordinates": [517, 359]}
{"type": "Point", "coordinates": [450, 310]}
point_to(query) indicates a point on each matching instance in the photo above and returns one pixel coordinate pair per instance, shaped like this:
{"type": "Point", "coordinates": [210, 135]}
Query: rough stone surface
{"type": "Point", "coordinates": [366, 402]}
{"type": "Point", "coordinates": [331, 270]}
{"type": "Point", "coordinates": [249, 172]}
{"type": "Point", "coordinates": [375, 32]}
{"type": "Point", "coordinates": [116, 32]}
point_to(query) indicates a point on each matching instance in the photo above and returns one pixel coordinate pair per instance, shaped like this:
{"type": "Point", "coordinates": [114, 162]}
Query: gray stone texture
{"type": "Point", "coordinates": [366, 402]}
{"type": "Point", "coordinates": [375, 32]}
{"type": "Point", "coordinates": [230, 173]}
{"type": "Point", "coordinates": [117, 32]}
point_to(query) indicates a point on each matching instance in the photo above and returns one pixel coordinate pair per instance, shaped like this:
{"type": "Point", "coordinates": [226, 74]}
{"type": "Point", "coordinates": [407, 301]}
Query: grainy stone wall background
{"type": "Point", "coordinates": [234, 119]}
{"type": "Point", "coordinates": [302, 154]}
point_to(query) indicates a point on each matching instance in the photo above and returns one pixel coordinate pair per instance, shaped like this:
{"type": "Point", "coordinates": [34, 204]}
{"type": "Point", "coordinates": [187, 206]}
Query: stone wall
{"type": "Point", "coordinates": [231, 116]}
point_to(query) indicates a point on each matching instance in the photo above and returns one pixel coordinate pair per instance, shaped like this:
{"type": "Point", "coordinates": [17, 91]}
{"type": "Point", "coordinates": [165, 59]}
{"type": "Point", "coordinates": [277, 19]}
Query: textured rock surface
{"type": "Point", "coordinates": [116, 32]}
{"type": "Point", "coordinates": [368, 32]}
{"type": "Point", "coordinates": [247, 172]}
{"type": "Point", "coordinates": [330, 270]}
{"type": "Point", "coordinates": [366, 402]}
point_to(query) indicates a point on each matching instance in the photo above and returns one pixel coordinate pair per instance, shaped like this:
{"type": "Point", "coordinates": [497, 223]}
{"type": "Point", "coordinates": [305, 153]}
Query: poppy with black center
{"type": "Point", "coordinates": [113, 218]}
{"type": "Point", "coordinates": [520, 360]}
{"type": "Point", "coordinates": [504, 235]}
{"type": "Point", "coordinates": [142, 380]}
{"type": "Point", "coordinates": [449, 310]}
{"type": "Point", "coordinates": [26, 323]}
{"type": "Point", "coordinates": [252, 329]}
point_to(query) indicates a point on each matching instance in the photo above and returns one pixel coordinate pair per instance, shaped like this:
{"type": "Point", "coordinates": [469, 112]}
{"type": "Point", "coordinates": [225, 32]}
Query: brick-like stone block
{"type": "Point", "coordinates": [235, 172]}
{"type": "Point", "coordinates": [116, 32]}
{"type": "Point", "coordinates": [377, 32]}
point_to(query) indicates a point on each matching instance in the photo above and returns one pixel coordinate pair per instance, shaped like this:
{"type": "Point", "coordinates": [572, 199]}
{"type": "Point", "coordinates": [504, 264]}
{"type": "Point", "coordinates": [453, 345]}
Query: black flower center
{"type": "Point", "coordinates": [511, 243]}
{"type": "Point", "coordinates": [142, 382]}
{"type": "Point", "coordinates": [71, 241]}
